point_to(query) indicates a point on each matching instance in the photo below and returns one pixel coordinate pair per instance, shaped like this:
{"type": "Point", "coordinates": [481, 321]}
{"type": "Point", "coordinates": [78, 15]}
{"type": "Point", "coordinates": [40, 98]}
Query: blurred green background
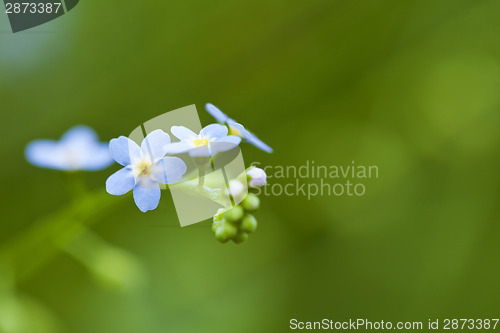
{"type": "Point", "coordinates": [410, 86]}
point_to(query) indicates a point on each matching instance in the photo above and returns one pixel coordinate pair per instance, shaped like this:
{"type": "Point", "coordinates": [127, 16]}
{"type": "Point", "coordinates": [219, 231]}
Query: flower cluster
{"type": "Point", "coordinates": [146, 169]}
{"type": "Point", "coordinates": [149, 166]}
{"type": "Point", "coordinates": [236, 223]}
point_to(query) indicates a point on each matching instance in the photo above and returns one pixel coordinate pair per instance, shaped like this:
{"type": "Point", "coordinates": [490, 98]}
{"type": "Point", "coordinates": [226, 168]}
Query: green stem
{"type": "Point", "coordinates": [75, 184]}
{"type": "Point", "coordinates": [216, 195]}
{"type": "Point", "coordinates": [201, 176]}
{"type": "Point", "coordinates": [34, 247]}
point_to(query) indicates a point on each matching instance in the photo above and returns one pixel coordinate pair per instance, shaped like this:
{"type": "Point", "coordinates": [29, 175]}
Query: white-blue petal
{"type": "Point", "coordinates": [120, 182]}
{"type": "Point", "coordinates": [220, 116]}
{"type": "Point", "coordinates": [147, 198]}
{"type": "Point", "coordinates": [234, 139]}
{"type": "Point", "coordinates": [214, 131]}
{"type": "Point", "coordinates": [183, 133]}
{"type": "Point", "coordinates": [250, 137]}
{"type": "Point", "coordinates": [179, 147]}
{"type": "Point", "coordinates": [201, 151]}
{"type": "Point", "coordinates": [238, 127]}
{"type": "Point", "coordinates": [169, 170]}
{"type": "Point", "coordinates": [224, 144]}
{"type": "Point", "coordinates": [46, 154]}
{"type": "Point", "coordinates": [79, 135]}
{"type": "Point", "coordinates": [97, 157]}
{"type": "Point", "coordinates": [123, 150]}
{"type": "Point", "coordinates": [155, 144]}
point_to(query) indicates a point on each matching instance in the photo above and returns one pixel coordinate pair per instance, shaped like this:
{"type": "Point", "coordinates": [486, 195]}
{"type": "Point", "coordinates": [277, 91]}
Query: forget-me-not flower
{"type": "Point", "coordinates": [78, 149]}
{"type": "Point", "coordinates": [236, 128]}
{"type": "Point", "coordinates": [212, 139]}
{"type": "Point", "coordinates": [144, 168]}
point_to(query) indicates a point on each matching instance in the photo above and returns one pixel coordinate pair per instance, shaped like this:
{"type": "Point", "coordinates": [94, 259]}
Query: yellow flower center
{"type": "Point", "coordinates": [201, 142]}
{"type": "Point", "coordinates": [144, 168]}
{"type": "Point", "coordinates": [234, 131]}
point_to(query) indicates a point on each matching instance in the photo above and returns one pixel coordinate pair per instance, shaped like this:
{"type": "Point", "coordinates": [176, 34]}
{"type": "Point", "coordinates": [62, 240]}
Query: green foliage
{"type": "Point", "coordinates": [410, 86]}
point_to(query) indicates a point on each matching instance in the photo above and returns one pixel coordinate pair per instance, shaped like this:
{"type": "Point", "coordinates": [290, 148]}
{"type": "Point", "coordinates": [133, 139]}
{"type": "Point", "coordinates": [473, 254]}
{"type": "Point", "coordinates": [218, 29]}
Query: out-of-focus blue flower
{"type": "Point", "coordinates": [144, 168]}
{"type": "Point", "coordinates": [211, 140]}
{"type": "Point", "coordinates": [78, 149]}
{"type": "Point", "coordinates": [236, 128]}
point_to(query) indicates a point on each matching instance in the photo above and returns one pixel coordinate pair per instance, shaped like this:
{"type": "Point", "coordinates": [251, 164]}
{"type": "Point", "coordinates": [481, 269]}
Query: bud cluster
{"type": "Point", "coordinates": [235, 224]}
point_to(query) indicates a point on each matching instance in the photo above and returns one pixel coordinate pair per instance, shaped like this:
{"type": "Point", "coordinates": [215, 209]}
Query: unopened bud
{"type": "Point", "coordinates": [251, 203]}
{"type": "Point", "coordinates": [225, 232]}
{"type": "Point", "coordinates": [240, 237]}
{"type": "Point", "coordinates": [234, 214]}
{"type": "Point", "coordinates": [249, 223]}
{"type": "Point", "coordinates": [257, 177]}
{"type": "Point", "coordinates": [237, 190]}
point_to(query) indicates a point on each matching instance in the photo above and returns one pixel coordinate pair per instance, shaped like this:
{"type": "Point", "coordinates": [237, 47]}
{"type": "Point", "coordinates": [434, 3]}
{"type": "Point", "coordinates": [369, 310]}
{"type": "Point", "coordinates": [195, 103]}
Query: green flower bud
{"type": "Point", "coordinates": [251, 203]}
{"type": "Point", "coordinates": [230, 229]}
{"type": "Point", "coordinates": [240, 237]}
{"type": "Point", "coordinates": [225, 232]}
{"type": "Point", "coordinates": [249, 223]}
{"type": "Point", "coordinates": [221, 235]}
{"type": "Point", "coordinates": [234, 214]}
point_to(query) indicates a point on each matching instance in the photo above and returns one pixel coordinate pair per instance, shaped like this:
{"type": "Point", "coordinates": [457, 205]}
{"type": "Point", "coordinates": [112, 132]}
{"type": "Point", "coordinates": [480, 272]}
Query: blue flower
{"type": "Point", "coordinates": [211, 140]}
{"type": "Point", "coordinates": [78, 149]}
{"type": "Point", "coordinates": [145, 167]}
{"type": "Point", "coordinates": [236, 128]}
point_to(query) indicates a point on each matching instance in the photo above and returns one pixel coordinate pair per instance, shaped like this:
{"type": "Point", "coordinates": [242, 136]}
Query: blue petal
{"type": "Point", "coordinates": [120, 182]}
{"type": "Point", "coordinates": [258, 143]}
{"type": "Point", "coordinates": [234, 139]}
{"type": "Point", "coordinates": [224, 144]}
{"type": "Point", "coordinates": [183, 133]}
{"type": "Point", "coordinates": [201, 151]}
{"type": "Point", "coordinates": [123, 150]}
{"type": "Point", "coordinates": [239, 127]}
{"type": "Point", "coordinates": [169, 170]}
{"type": "Point", "coordinates": [155, 144]}
{"type": "Point", "coordinates": [97, 157]}
{"type": "Point", "coordinates": [46, 154]}
{"type": "Point", "coordinates": [250, 137]}
{"type": "Point", "coordinates": [214, 131]}
{"type": "Point", "coordinates": [179, 147]}
{"type": "Point", "coordinates": [80, 134]}
{"type": "Point", "coordinates": [147, 198]}
{"type": "Point", "coordinates": [216, 113]}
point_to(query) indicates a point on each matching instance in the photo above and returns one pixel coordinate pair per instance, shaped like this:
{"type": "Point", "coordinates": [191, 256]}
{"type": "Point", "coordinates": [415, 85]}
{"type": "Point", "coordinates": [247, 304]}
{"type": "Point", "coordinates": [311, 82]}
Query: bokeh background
{"type": "Point", "coordinates": [410, 86]}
